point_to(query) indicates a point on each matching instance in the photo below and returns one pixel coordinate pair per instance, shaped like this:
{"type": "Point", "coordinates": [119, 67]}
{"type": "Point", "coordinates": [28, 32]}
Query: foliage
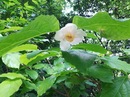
{"type": "Point", "coordinates": [118, 9]}
{"type": "Point", "coordinates": [106, 28]}
{"type": "Point", "coordinates": [32, 65]}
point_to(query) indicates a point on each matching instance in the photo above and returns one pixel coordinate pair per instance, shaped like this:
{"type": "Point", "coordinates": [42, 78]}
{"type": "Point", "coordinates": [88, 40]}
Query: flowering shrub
{"type": "Point", "coordinates": [75, 70]}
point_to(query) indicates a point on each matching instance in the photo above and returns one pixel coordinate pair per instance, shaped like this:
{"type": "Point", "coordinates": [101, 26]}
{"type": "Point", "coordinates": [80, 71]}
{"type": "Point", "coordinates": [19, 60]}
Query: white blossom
{"type": "Point", "coordinates": [69, 35]}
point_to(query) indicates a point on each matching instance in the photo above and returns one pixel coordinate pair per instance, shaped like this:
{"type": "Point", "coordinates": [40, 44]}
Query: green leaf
{"type": "Point", "coordinates": [40, 25]}
{"type": "Point", "coordinates": [30, 85]}
{"type": "Point", "coordinates": [12, 60]}
{"type": "Point", "coordinates": [91, 47]}
{"type": "Point", "coordinates": [35, 2]}
{"type": "Point", "coordinates": [90, 83]}
{"type": "Point", "coordinates": [83, 61]}
{"type": "Point", "coordinates": [10, 29]}
{"type": "Point", "coordinates": [36, 56]}
{"type": "Point", "coordinates": [80, 59]}
{"type": "Point", "coordinates": [26, 47]}
{"type": "Point", "coordinates": [38, 66]}
{"type": "Point", "coordinates": [13, 76]}
{"type": "Point", "coordinates": [115, 63]}
{"type": "Point", "coordinates": [9, 87]}
{"type": "Point", "coordinates": [101, 72]}
{"type": "Point", "coordinates": [2, 25]}
{"type": "Point", "coordinates": [107, 26]}
{"type": "Point", "coordinates": [119, 88]}
{"type": "Point", "coordinates": [32, 73]}
{"type": "Point", "coordinates": [44, 85]}
{"type": "Point", "coordinates": [127, 51]}
{"type": "Point", "coordinates": [48, 69]}
{"type": "Point", "coordinates": [58, 67]}
{"type": "Point", "coordinates": [28, 7]}
{"type": "Point", "coordinates": [33, 54]}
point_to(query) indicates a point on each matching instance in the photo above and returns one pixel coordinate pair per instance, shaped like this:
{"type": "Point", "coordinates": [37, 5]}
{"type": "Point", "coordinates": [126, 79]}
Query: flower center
{"type": "Point", "coordinates": [69, 37]}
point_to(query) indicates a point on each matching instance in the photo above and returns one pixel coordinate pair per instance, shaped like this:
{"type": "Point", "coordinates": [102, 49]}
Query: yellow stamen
{"type": "Point", "coordinates": [69, 37]}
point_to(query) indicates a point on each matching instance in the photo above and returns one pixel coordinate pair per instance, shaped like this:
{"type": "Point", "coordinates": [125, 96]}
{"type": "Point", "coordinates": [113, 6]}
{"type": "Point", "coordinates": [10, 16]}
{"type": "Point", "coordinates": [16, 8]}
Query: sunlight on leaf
{"type": "Point", "coordinates": [26, 47]}
{"type": "Point", "coordinates": [44, 85]}
{"type": "Point", "coordinates": [12, 75]}
{"type": "Point", "coordinates": [9, 87]}
{"type": "Point", "coordinates": [12, 60]}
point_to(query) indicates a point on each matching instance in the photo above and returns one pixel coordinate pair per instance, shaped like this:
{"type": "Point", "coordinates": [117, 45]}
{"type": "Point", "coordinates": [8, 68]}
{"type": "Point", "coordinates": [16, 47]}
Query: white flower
{"type": "Point", "coordinates": [12, 60]}
{"type": "Point", "coordinates": [69, 35]}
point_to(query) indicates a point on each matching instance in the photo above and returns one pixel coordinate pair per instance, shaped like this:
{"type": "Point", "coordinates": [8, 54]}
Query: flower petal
{"type": "Point", "coordinates": [77, 40]}
{"type": "Point", "coordinates": [81, 32]}
{"type": "Point", "coordinates": [79, 37]}
{"type": "Point", "coordinates": [59, 36]}
{"type": "Point", "coordinates": [71, 25]}
{"type": "Point", "coordinates": [64, 45]}
{"type": "Point", "coordinates": [71, 28]}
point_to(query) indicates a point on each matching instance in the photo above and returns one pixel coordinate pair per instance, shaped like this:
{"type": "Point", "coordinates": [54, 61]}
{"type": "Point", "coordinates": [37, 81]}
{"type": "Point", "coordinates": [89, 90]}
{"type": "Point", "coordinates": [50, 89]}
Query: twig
{"type": "Point", "coordinates": [60, 92]}
{"type": "Point", "coordinates": [67, 94]}
{"type": "Point", "coordinates": [99, 40]}
{"type": "Point", "coordinates": [48, 62]}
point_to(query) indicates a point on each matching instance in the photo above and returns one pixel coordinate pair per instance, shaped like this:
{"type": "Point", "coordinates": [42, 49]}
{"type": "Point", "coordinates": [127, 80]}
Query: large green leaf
{"type": "Point", "coordinates": [119, 88]}
{"type": "Point", "coordinates": [83, 61]}
{"type": "Point", "coordinates": [109, 27]}
{"type": "Point", "coordinates": [40, 25]}
{"type": "Point", "coordinates": [91, 47]}
{"type": "Point", "coordinates": [9, 87]}
{"type": "Point", "coordinates": [44, 85]}
{"type": "Point", "coordinates": [80, 59]}
{"type": "Point", "coordinates": [115, 63]}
